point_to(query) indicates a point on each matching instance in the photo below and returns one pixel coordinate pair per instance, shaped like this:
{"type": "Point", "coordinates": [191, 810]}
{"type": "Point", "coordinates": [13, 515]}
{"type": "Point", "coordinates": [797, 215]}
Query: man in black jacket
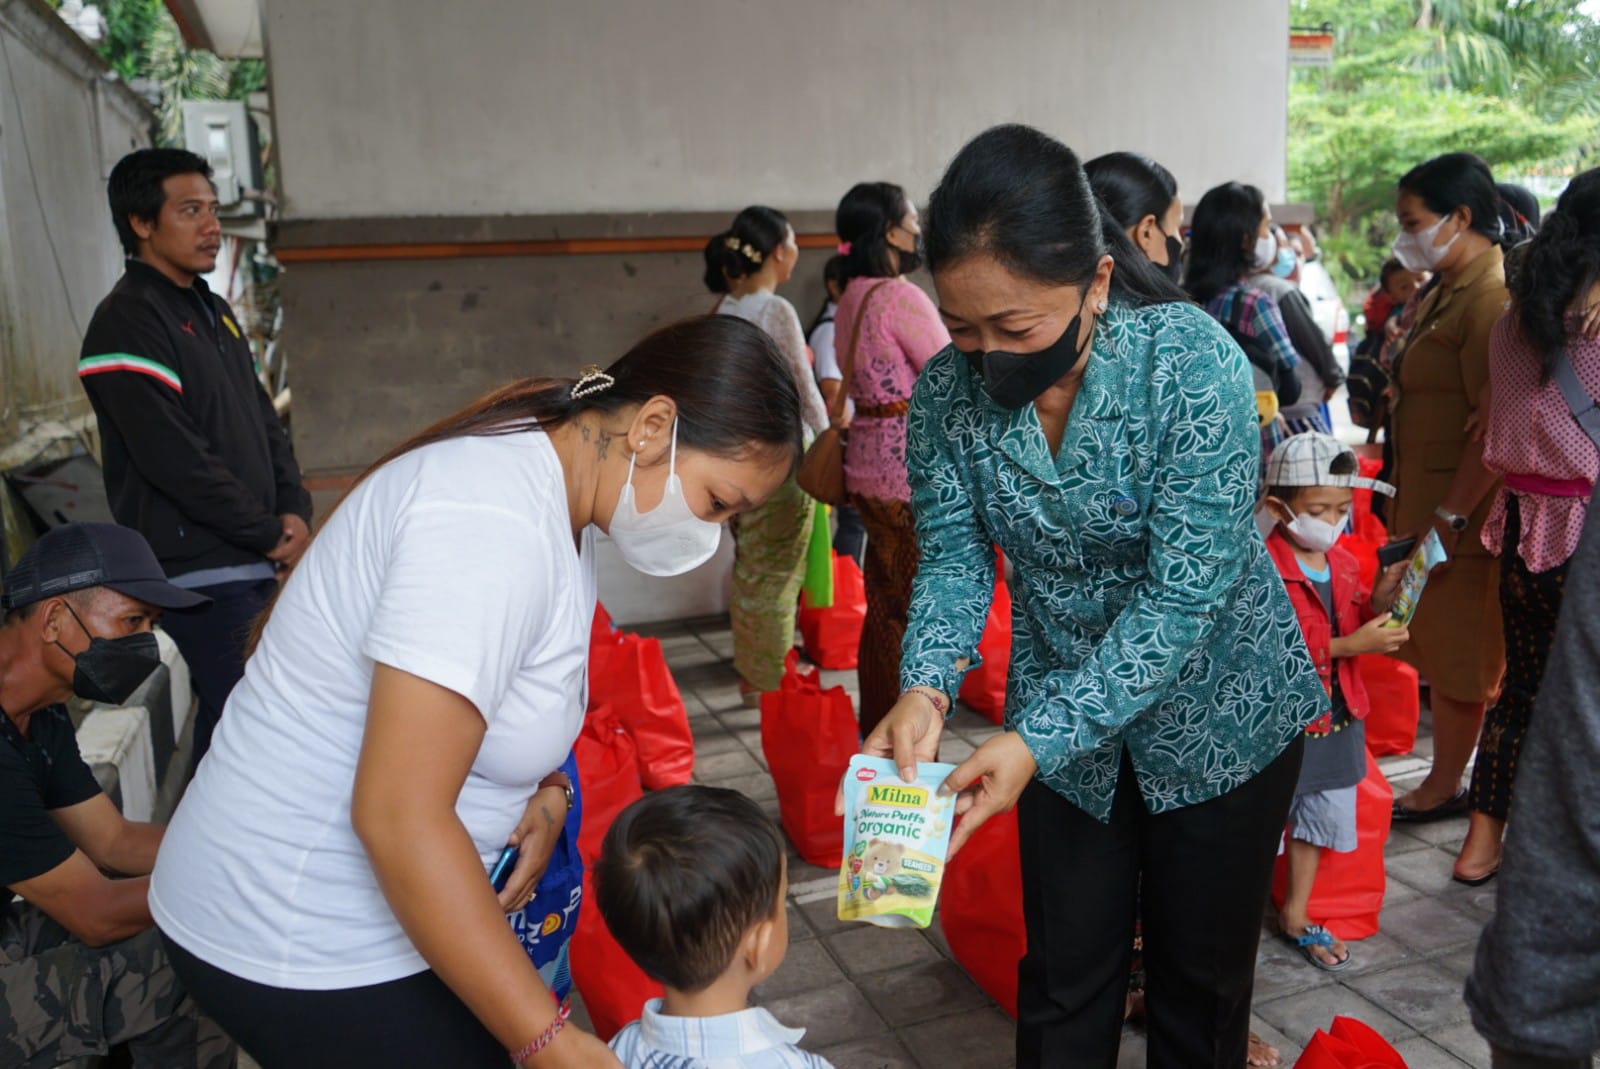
{"type": "Point", "coordinates": [195, 457]}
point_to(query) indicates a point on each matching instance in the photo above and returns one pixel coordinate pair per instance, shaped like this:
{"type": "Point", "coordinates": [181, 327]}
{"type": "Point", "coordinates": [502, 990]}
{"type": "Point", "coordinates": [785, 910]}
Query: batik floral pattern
{"type": "Point", "coordinates": [1146, 610]}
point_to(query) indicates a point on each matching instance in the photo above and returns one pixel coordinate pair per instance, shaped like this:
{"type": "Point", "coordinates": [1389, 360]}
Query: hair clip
{"type": "Point", "coordinates": [752, 254]}
{"type": "Point", "coordinates": [732, 243]}
{"type": "Point", "coordinates": [591, 380]}
{"type": "Point", "coordinates": [844, 248]}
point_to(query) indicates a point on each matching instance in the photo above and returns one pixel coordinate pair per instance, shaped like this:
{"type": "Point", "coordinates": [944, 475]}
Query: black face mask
{"type": "Point", "coordinates": [909, 261]}
{"type": "Point", "coordinates": [1174, 265]}
{"type": "Point", "coordinates": [111, 669]}
{"type": "Point", "coordinates": [1015, 379]}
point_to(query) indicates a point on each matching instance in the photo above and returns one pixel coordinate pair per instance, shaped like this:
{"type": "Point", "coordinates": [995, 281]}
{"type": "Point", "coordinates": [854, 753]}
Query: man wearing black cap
{"type": "Point", "coordinates": [81, 964]}
{"type": "Point", "coordinates": [195, 457]}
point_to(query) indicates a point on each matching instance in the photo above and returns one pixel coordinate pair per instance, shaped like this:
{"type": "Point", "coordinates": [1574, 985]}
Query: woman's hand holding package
{"type": "Point", "coordinates": [908, 734]}
{"type": "Point", "coordinates": [989, 782]}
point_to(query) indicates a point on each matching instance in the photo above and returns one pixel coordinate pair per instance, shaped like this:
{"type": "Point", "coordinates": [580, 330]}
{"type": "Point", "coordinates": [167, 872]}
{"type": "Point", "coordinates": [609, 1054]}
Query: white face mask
{"type": "Point", "coordinates": [669, 539]}
{"type": "Point", "coordinates": [1417, 252]}
{"type": "Point", "coordinates": [1318, 536]}
{"type": "Point", "coordinates": [1266, 252]}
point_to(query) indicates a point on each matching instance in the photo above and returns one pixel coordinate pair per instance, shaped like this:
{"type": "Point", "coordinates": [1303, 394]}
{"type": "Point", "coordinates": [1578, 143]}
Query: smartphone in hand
{"type": "Point", "coordinates": [502, 869]}
{"type": "Point", "coordinates": [1395, 552]}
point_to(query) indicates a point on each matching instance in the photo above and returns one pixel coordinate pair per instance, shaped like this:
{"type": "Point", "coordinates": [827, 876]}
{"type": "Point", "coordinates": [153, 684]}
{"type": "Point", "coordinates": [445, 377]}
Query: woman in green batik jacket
{"type": "Point", "coordinates": [1101, 430]}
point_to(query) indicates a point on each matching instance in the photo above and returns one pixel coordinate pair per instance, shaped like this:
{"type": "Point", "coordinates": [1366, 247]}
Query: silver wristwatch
{"type": "Point", "coordinates": [1454, 520]}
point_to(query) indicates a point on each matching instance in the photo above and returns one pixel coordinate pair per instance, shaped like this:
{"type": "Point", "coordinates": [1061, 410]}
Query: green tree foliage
{"type": "Point", "coordinates": [142, 43]}
{"type": "Point", "coordinates": [1512, 80]}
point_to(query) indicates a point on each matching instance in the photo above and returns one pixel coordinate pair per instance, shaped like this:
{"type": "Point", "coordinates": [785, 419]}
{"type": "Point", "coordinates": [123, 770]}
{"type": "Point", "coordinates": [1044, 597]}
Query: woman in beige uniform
{"type": "Point", "coordinates": [1448, 211]}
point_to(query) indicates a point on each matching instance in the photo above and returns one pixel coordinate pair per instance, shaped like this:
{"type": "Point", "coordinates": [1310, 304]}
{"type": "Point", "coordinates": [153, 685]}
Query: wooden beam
{"type": "Point", "coordinates": [460, 250]}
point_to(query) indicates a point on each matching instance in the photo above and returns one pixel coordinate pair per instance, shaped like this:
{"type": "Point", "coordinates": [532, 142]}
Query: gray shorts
{"type": "Point", "coordinates": [1325, 818]}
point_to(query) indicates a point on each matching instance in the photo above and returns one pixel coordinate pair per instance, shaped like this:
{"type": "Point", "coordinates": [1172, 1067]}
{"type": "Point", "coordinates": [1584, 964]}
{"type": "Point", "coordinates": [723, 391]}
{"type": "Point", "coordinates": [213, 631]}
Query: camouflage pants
{"type": "Point", "coordinates": [61, 1000]}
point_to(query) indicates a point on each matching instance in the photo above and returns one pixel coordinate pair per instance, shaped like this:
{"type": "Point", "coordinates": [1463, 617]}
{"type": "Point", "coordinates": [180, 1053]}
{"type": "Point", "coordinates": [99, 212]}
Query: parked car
{"type": "Point", "coordinates": [1328, 310]}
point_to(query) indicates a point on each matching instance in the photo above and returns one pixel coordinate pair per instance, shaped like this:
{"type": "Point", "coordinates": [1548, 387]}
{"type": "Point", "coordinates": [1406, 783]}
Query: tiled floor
{"type": "Point", "coordinates": [871, 998]}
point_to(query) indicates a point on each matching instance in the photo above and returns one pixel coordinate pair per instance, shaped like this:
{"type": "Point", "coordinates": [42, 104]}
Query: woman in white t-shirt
{"type": "Point", "coordinates": [323, 886]}
{"type": "Point", "coordinates": [748, 262]}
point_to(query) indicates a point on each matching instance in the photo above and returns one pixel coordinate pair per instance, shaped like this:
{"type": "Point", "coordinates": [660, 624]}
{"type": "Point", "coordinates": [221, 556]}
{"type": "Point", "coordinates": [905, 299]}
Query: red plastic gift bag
{"type": "Point", "coordinates": [1392, 690]}
{"type": "Point", "coordinates": [1348, 892]}
{"type": "Point", "coordinates": [984, 688]}
{"type": "Point", "coordinates": [808, 736]}
{"type": "Point", "coordinates": [832, 636]}
{"type": "Point", "coordinates": [602, 628]}
{"type": "Point", "coordinates": [614, 989]}
{"type": "Point", "coordinates": [1349, 1044]}
{"type": "Point", "coordinates": [980, 908]}
{"type": "Point", "coordinates": [608, 777]}
{"type": "Point", "coordinates": [630, 674]}
{"type": "Point", "coordinates": [1366, 536]}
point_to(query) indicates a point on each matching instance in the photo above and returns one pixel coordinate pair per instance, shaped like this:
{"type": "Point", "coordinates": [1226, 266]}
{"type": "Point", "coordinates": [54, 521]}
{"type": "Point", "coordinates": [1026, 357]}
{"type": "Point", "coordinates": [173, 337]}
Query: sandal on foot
{"type": "Point", "coordinates": [1450, 807]}
{"type": "Point", "coordinates": [1316, 935]}
{"type": "Point", "coordinates": [1262, 1054]}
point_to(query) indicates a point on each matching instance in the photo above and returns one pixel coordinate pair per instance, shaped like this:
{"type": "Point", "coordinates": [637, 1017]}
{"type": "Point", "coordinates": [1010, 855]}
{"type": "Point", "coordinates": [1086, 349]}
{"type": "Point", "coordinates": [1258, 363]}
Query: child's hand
{"type": "Point", "coordinates": [1373, 637]}
{"type": "Point", "coordinates": [1388, 586]}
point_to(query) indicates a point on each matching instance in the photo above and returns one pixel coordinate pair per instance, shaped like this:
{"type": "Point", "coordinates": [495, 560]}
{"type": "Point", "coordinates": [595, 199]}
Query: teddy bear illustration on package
{"type": "Point", "coordinates": [896, 837]}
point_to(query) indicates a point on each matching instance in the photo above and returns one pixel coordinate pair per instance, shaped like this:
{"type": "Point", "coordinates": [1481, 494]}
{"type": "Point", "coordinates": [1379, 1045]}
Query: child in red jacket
{"type": "Point", "coordinates": [1309, 482]}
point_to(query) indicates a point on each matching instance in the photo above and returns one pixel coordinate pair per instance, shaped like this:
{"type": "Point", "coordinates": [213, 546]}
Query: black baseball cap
{"type": "Point", "coordinates": [83, 555]}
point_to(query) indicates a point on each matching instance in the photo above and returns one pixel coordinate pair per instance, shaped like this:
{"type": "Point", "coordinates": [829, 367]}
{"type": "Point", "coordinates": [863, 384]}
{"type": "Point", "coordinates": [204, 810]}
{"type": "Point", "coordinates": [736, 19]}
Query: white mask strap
{"type": "Point", "coordinates": [672, 468]}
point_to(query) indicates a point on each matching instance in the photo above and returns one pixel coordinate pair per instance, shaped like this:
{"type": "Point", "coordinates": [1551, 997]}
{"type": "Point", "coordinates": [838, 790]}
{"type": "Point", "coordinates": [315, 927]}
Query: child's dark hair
{"type": "Point", "coordinates": [136, 188]}
{"type": "Point", "coordinates": [745, 246]}
{"type": "Point", "coordinates": [835, 272]}
{"type": "Point", "coordinates": [1391, 267]}
{"type": "Point", "coordinates": [683, 874]}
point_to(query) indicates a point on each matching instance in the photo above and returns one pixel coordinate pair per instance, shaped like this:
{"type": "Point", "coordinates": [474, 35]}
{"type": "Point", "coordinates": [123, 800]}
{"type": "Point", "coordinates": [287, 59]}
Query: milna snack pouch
{"type": "Point", "coordinates": [1429, 555]}
{"type": "Point", "coordinates": [896, 835]}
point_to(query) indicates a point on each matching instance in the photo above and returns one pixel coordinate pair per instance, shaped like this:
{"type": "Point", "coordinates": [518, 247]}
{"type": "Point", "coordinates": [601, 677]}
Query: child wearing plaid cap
{"type": "Point", "coordinates": [1310, 482]}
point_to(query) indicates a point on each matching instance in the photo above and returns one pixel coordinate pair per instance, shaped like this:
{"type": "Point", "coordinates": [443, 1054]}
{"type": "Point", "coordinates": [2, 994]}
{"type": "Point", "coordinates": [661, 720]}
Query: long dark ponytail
{"type": "Point", "coordinates": [1224, 223]}
{"type": "Point", "coordinates": [863, 220]}
{"type": "Point", "coordinates": [1560, 264]}
{"type": "Point", "coordinates": [732, 386]}
{"type": "Point", "coordinates": [1022, 197]}
{"type": "Point", "coordinates": [1131, 186]}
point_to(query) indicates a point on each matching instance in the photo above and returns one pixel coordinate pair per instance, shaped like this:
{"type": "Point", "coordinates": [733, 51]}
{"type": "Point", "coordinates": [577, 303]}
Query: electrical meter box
{"type": "Point", "coordinates": [220, 132]}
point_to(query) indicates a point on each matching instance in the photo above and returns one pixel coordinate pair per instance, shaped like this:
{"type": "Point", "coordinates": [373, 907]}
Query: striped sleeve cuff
{"type": "Point", "coordinates": [139, 365]}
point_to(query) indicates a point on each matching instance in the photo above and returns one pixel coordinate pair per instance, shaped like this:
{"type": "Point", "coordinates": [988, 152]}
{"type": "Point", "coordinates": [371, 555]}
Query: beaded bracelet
{"type": "Point", "coordinates": [545, 1038]}
{"type": "Point", "coordinates": [941, 703]}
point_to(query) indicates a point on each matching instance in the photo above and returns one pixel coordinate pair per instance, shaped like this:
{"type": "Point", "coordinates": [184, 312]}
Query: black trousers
{"type": "Point", "coordinates": [1530, 604]}
{"type": "Point", "coordinates": [212, 643]}
{"type": "Point", "coordinates": [412, 1022]}
{"type": "Point", "coordinates": [850, 537]}
{"type": "Point", "coordinates": [1200, 875]}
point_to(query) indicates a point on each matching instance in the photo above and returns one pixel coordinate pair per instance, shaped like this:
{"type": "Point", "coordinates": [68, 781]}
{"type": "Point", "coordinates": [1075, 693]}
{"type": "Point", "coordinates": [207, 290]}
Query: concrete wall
{"type": "Point", "coordinates": [444, 175]}
{"type": "Point", "coordinates": [512, 106]}
{"type": "Point", "coordinates": [63, 125]}
{"type": "Point", "coordinates": [517, 121]}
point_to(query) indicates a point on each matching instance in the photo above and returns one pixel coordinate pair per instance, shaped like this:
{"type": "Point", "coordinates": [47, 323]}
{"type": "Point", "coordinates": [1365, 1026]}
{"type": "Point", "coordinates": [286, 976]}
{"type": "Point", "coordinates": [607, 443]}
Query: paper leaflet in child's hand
{"type": "Point", "coordinates": [896, 836]}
